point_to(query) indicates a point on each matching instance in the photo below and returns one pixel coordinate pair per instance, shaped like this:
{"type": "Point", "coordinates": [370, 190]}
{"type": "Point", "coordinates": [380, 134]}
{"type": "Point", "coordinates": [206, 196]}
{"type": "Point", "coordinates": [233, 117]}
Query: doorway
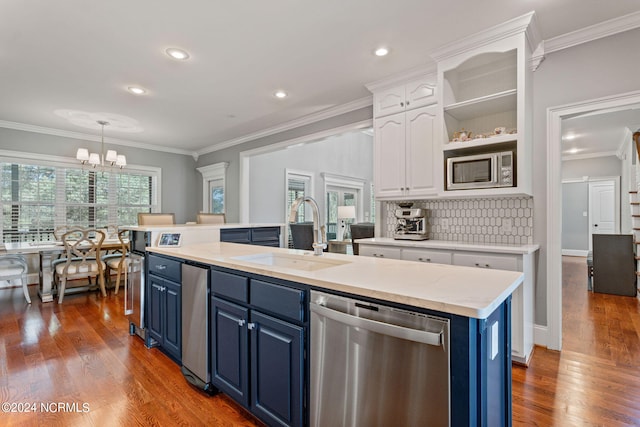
{"type": "Point", "coordinates": [555, 117]}
{"type": "Point", "coordinates": [604, 208]}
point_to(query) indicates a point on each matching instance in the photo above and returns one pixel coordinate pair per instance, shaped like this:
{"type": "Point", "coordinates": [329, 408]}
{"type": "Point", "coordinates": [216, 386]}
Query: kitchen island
{"type": "Point", "coordinates": [259, 318]}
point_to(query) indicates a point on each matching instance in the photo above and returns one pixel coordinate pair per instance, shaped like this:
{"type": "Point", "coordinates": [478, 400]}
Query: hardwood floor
{"type": "Point", "coordinates": [80, 354]}
{"type": "Point", "coordinates": [595, 379]}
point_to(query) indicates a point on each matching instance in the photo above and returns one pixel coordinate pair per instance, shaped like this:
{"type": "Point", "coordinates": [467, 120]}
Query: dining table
{"type": "Point", "coordinates": [47, 252]}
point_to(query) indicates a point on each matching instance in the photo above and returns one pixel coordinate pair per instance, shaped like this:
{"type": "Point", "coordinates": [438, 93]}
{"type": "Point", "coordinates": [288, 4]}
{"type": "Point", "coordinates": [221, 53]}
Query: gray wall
{"type": "Point", "coordinates": [232, 154]}
{"type": "Point", "coordinates": [595, 167]}
{"type": "Point", "coordinates": [180, 181]}
{"type": "Point", "coordinates": [589, 71]}
{"type": "Point", "coordinates": [575, 225]}
{"type": "Point", "coordinates": [349, 154]}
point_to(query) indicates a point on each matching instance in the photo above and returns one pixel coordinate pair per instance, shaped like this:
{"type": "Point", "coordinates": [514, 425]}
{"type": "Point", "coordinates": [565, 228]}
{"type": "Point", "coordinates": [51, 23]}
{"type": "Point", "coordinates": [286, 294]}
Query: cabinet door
{"type": "Point", "coordinates": [173, 320]}
{"type": "Point", "coordinates": [419, 154]}
{"type": "Point", "coordinates": [389, 101]}
{"type": "Point", "coordinates": [277, 370]}
{"type": "Point", "coordinates": [379, 251]}
{"type": "Point", "coordinates": [156, 311]}
{"type": "Point", "coordinates": [493, 261]}
{"type": "Point", "coordinates": [427, 255]}
{"type": "Point", "coordinates": [419, 93]}
{"type": "Point", "coordinates": [389, 155]}
{"type": "Point", "coordinates": [229, 349]}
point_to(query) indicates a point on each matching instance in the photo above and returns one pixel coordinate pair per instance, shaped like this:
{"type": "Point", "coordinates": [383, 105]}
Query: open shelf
{"type": "Point", "coordinates": [484, 105]}
{"type": "Point", "coordinates": [480, 142]}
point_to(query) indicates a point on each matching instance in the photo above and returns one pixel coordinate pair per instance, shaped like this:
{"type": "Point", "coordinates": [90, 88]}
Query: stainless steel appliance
{"type": "Point", "coordinates": [373, 365]}
{"type": "Point", "coordinates": [134, 294]}
{"type": "Point", "coordinates": [487, 170]}
{"type": "Point", "coordinates": [195, 321]}
{"type": "Point", "coordinates": [411, 224]}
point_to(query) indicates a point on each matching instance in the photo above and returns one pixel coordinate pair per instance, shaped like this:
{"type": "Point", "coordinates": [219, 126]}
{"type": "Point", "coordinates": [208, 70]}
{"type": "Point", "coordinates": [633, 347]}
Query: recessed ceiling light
{"type": "Point", "coordinates": [176, 53]}
{"type": "Point", "coordinates": [381, 51]}
{"type": "Point", "coordinates": [281, 94]}
{"type": "Point", "coordinates": [136, 90]}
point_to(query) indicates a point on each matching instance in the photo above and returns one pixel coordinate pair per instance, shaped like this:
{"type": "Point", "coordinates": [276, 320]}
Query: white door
{"type": "Point", "coordinates": [603, 209]}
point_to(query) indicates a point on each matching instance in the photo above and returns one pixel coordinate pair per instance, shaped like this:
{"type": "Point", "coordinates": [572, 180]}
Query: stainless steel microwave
{"type": "Point", "coordinates": [490, 170]}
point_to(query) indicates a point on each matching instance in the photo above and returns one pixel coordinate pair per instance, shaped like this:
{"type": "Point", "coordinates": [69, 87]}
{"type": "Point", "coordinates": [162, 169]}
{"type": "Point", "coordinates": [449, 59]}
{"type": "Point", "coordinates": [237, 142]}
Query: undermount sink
{"type": "Point", "coordinates": [295, 262]}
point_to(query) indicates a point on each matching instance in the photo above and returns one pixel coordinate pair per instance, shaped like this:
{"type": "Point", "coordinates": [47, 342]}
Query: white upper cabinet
{"type": "Point", "coordinates": [405, 127]}
{"type": "Point", "coordinates": [485, 86]}
{"type": "Point", "coordinates": [403, 154]}
{"type": "Point", "coordinates": [414, 94]}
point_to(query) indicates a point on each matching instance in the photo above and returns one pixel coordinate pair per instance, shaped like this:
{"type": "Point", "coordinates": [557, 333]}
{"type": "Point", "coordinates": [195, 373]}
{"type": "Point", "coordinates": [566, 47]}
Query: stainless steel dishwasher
{"type": "Point", "coordinates": [373, 365]}
{"type": "Point", "coordinates": [195, 321]}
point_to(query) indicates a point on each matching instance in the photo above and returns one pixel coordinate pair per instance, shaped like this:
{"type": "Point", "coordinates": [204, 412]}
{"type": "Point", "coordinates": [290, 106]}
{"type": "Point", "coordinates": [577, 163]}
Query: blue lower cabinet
{"type": "Point", "coordinates": [257, 347]}
{"type": "Point", "coordinates": [229, 349]}
{"type": "Point", "coordinates": [165, 315]}
{"type": "Point", "coordinates": [276, 370]}
{"type": "Point", "coordinates": [262, 236]}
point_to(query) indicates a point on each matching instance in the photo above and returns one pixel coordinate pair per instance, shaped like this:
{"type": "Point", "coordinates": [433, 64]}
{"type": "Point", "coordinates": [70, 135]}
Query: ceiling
{"type": "Point", "coordinates": [598, 133]}
{"type": "Point", "coordinates": [78, 55]}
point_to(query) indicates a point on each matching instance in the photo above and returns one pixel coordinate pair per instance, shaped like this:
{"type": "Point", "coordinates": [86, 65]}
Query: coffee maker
{"type": "Point", "coordinates": [411, 224]}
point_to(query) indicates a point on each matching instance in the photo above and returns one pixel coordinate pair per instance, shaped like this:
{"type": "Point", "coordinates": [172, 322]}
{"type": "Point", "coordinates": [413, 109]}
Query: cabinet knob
{"type": "Point", "coordinates": [402, 104]}
{"type": "Point", "coordinates": [487, 266]}
{"type": "Point", "coordinates": [251, 326]}
{"type": "Point", "coordinates": [241, 322]}
{"type": "Point", "coordinates": [407, 103]}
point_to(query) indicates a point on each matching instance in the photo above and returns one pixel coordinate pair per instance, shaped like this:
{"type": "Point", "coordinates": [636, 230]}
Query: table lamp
{"type": "Point", "coordinates": [344, 213]}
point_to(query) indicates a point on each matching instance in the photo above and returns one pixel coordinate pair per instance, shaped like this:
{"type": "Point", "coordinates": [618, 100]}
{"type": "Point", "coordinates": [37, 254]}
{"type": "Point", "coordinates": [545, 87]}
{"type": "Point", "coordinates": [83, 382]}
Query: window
{"type": "Point", "coordinates": [299, 184]}
{"type": "Point", "coordinates": [213, 187]}
{"type": "Point", "coordinates": [37, 198]}
{"type": "Point", "coordinates": [342, 191]}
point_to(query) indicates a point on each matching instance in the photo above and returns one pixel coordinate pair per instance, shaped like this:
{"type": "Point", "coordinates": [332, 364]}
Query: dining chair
{"type": "Point", "coordinates": [14, 267]}
{"type": "Point", "coordinates": [82, 259]}
{"type": "Point", "coordinates": [118, 262]}
{"type": "Point", "coordinates": [146, 218]}
{"type": "Point", "coordinates": [210, 218]}
{"type": "Point", "coordinates": [361, 230]}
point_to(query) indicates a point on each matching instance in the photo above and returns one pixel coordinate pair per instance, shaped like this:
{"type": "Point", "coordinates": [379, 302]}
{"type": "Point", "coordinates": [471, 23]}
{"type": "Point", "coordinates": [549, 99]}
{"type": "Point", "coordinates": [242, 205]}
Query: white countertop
{"type": "Point", "coordinates": [451, 245]}
{"type": "Point", "coordinates": [180, 227]}
{"type": "Point", "coordinates": [464, 291]}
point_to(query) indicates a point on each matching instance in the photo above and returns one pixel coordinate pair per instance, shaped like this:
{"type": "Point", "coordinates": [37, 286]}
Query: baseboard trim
{"type": "Point", "coordinates": [574, 252]}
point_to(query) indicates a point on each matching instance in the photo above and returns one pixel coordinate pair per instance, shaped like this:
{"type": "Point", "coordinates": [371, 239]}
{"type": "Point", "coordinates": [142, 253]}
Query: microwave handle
{"type": "Point", "coordinates": [497, 168]}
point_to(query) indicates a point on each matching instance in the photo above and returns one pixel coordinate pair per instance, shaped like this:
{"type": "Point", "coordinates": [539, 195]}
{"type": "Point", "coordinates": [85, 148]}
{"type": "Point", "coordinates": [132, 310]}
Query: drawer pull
{"type": "Point", "coordinates": [161, 267]}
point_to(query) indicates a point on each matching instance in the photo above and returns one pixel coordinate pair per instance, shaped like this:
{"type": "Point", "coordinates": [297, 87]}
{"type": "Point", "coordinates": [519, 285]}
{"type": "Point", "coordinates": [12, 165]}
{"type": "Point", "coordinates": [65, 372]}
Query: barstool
{"type": "Point", "coordinates": [14, 267]}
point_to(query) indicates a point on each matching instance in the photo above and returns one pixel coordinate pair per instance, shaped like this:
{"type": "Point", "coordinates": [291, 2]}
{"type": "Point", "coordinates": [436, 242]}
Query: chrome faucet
{"type": "Point", "coordinates": [318, 244]}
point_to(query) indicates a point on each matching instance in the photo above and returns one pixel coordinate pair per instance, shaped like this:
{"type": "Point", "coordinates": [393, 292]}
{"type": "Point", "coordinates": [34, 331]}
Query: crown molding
{"type": "Point", "coordinates": [589, 155]}
{"type": "Point", "coordinates": [302, 121]}
{"type": "Point", "coordinates": [593, 32]}
{"type": "Point", "coordinates": [524, 23]}
{"type": "Point", "coordinates": [89, 137]}
{"type": "Point", "coordinates": [401, 78]}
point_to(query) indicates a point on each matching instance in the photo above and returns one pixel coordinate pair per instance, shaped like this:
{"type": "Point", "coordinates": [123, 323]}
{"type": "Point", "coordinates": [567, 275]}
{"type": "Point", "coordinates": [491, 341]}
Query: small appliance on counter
{"type": "Point", "coordinates": [411, 223]}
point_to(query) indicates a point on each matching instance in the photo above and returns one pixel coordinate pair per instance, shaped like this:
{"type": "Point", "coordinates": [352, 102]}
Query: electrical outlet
{"type": "Point", "coordinates": [444, 224]}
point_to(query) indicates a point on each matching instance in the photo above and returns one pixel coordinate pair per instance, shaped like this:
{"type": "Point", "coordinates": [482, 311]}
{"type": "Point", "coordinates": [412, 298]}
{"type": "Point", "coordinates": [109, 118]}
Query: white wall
{"type": "Point", "coordinates": [349, 155]}
{"type": "Point", "coordinates": [593, 167]}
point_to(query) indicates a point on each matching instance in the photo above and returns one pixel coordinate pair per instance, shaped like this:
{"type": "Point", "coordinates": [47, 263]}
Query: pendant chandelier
{"type": "Point", "coordinates": [111, 158]}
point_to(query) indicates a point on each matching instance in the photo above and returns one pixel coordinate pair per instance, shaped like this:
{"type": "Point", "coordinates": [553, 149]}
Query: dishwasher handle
{"type": "Point", "coordinates": [431, 338]}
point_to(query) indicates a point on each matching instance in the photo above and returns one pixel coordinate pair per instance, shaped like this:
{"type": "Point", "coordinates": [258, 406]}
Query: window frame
{"type": "Point", "coordinates": [65, 163]}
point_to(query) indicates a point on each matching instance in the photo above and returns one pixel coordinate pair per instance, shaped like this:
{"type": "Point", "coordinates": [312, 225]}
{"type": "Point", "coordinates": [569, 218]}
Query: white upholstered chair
{"type": "Point", "coordinates": [82, 259]}
{"type": "Point", "coordinates": [118, 262]}
{"type": "Point", "coordinates": [145, 218]}
{"type": "Point", "coordinates": [210, 218]}
{"type": "Point", "coordinates": [14, 267]}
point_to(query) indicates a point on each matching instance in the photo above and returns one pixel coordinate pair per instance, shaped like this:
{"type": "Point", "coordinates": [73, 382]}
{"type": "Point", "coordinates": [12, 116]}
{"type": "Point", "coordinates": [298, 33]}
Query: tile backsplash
{"type": "Point", "coordinates": [506, 220]}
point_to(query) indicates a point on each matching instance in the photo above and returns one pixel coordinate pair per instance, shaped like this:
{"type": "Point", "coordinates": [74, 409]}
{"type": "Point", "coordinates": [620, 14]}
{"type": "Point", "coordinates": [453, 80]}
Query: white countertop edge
{"type": "Point", "coordinates": [333, 279]}
{"type": "Point", "coordinates": [178, 227]}
{"type": "Point", "coordinates": [451, 245]}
